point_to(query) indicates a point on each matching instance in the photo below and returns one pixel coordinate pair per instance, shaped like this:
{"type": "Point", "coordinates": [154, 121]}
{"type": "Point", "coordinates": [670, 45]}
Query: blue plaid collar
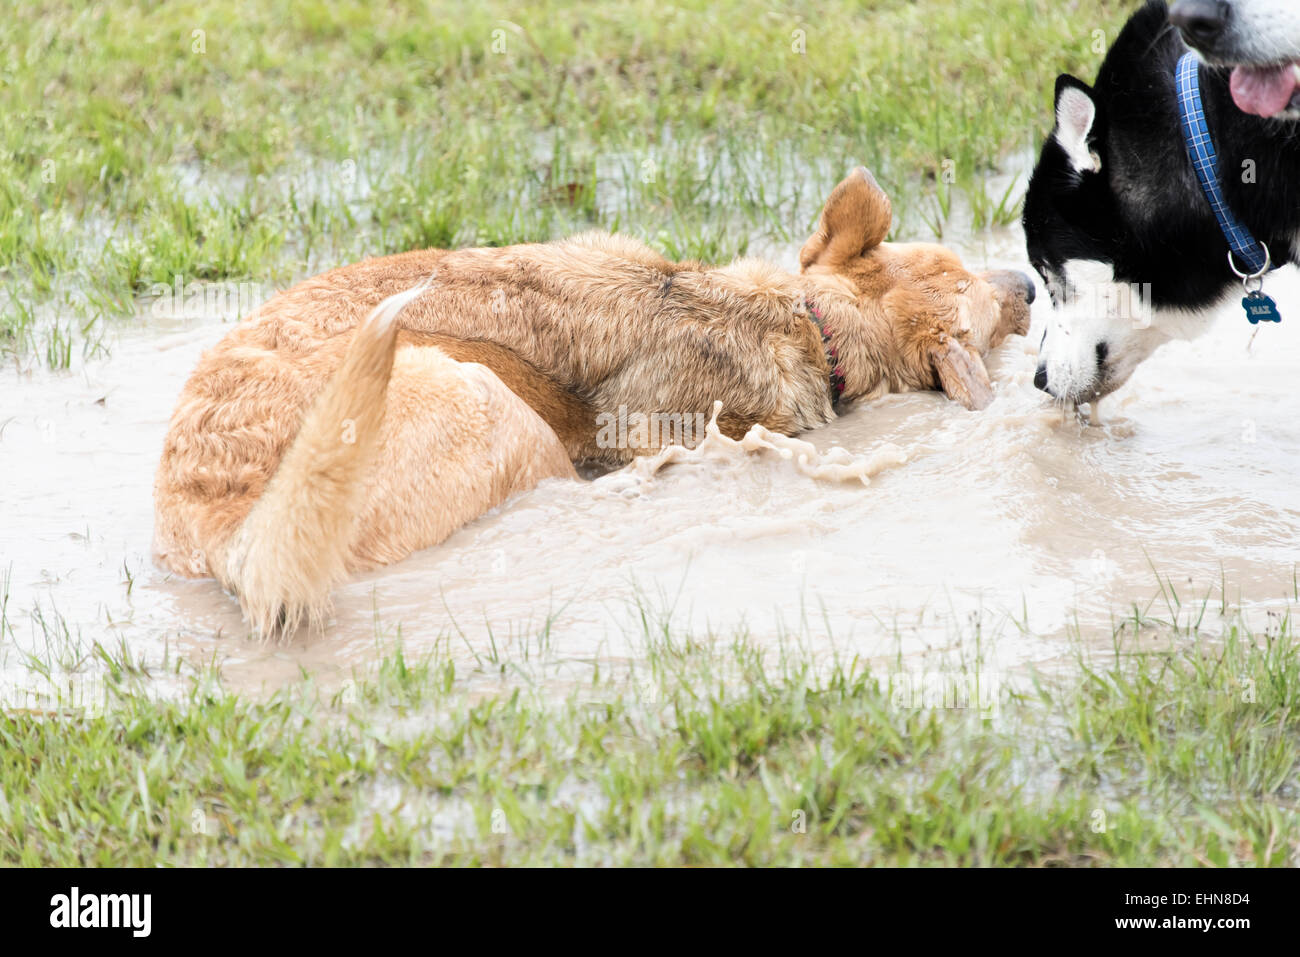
{"type": "Point", "coordinates": [1205, 158]}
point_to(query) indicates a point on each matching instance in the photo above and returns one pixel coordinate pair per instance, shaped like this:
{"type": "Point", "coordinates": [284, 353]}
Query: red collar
{"type": "Point", "coordinates": [832, 354]}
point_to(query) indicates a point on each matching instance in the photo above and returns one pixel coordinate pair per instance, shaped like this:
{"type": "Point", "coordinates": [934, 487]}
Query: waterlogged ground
{"type": "Point", "coordinates": [1000, 535]}
{"type": "Point", "coordinates": [655, 667]}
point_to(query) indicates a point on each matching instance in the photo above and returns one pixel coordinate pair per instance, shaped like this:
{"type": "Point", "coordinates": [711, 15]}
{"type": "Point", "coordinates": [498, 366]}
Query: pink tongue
{"type": "Point", "coordinates": [1264, 91]}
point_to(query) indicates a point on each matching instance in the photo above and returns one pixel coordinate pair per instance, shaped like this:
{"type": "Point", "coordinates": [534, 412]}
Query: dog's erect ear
{"type": "Point", "coordinates": [962, 374]}
{"type": "Point", "coordinates": [1076, 114]}
{"type": "Point", "coordinates": [856, 219]}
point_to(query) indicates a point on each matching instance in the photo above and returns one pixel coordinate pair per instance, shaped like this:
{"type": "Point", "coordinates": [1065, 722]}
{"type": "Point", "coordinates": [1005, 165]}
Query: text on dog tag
{"type": "Point", "coordinates": [1260, 308]}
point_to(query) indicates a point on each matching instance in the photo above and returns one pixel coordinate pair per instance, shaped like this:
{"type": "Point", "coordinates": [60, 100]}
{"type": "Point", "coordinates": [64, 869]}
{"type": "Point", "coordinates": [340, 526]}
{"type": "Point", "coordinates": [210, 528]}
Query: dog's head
{"type": "Point", "coordinates": [1099, 329]}
{"type": "Point", "coordinates": [941, 318]}
{"type": "Point", "coordinates": [1090, 207]}
{"type": "Point", "coordinates": [1259, 40]}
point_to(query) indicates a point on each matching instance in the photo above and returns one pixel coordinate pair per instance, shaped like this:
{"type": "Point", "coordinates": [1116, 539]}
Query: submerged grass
{"type": "Point", "coordinates": [1174, 747]}
{"type": "Point", "coordinates": [230, 140]}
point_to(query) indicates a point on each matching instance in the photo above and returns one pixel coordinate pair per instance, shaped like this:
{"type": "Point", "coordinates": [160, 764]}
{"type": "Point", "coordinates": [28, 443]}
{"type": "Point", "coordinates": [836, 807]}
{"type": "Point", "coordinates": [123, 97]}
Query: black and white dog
{"type": "Point", "coordinates": [1116, 221]}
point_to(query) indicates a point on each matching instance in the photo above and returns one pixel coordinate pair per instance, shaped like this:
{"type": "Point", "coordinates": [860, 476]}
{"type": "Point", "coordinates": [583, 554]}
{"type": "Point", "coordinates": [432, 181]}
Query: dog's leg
{"type": "Point", "coordinates": [455, 443]}
{"type": "Point", "coordinates": [402, 447]}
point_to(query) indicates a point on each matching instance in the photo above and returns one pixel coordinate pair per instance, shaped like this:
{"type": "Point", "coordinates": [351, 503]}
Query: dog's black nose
{"type": "Point", "coordinates": [1031, 291]}
{"type": "Point", "coordinates": [1201, 22]}
{"type": "Point", "coordinates": [1040, 379]}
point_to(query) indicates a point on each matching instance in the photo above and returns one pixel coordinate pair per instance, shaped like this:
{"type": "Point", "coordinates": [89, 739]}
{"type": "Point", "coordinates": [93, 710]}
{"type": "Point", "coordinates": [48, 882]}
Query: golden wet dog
{"type": "Point", "coordinates": [371, 411]}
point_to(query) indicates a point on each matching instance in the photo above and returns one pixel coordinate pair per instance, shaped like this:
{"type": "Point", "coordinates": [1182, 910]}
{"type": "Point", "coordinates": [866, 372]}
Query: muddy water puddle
{"type": "Point", "coordinates": [1012, 527]}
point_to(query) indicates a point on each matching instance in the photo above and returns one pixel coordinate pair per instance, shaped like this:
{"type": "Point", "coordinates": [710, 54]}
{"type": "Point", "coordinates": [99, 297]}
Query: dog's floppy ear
{"type": "Point", "coordinates": [856, 219]}
{"type": "Point", "coordinates": [962, 374]}
{"type": "Point", "coordinates": [1076, 115]}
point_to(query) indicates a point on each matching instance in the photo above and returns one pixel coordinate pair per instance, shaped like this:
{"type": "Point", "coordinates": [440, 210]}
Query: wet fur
{"type": "Point", "coordinates": [371, 411]}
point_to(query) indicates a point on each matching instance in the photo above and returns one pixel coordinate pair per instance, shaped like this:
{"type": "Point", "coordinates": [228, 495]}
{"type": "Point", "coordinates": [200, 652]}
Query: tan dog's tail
{"type": "Point", "coordinates": [293, 546]}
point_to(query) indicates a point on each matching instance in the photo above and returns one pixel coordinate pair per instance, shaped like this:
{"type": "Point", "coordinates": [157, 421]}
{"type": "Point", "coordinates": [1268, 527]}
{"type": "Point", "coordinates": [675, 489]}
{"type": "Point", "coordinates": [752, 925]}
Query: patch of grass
{"type": "Point", "coordinates": [1173, 748]}
{"type": "Point", "coordinates": [237, 140]}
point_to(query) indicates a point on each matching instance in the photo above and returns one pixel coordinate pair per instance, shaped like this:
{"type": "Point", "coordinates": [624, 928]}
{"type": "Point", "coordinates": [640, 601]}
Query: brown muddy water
{"type": "Point", "coordinates": [1013, 528]}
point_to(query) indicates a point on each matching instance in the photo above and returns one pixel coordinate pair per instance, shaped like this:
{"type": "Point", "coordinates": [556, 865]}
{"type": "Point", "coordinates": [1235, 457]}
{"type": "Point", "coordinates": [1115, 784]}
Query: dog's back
{"type": "Point", "coordinates": [306, 443]}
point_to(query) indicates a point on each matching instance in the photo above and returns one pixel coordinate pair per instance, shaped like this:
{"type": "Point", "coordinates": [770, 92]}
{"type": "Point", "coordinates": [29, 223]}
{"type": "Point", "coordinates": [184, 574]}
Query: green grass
{"type": "Point", "coordinates": [309, 134]}
{"type": "Point", "coordinates": [288, 137]}
{"type": "Point", "coordinates": [1171, 747]}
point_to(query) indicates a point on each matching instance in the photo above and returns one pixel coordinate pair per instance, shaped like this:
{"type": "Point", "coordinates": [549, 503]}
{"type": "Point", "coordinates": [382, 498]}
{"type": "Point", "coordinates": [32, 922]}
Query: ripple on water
{"type": "Point", "coordinates": [1019, 510]}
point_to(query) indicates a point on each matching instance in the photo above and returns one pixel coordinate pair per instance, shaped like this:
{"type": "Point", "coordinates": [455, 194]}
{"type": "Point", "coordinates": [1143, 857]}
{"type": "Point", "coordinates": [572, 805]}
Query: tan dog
{"type": "Point", "coordinates": [371, 411]}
